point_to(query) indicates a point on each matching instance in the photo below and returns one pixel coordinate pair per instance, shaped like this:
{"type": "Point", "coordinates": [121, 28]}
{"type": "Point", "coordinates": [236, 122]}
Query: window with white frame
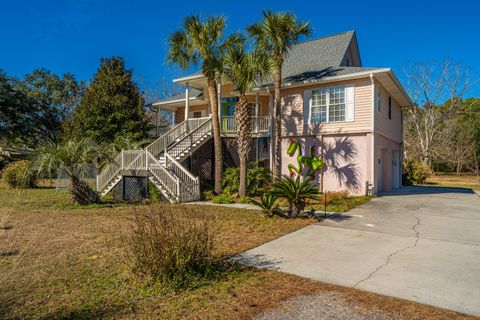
{"type": "Point", "coordinates": [378, 99]}
{"type": "Point", "coordinates": [328, 105]}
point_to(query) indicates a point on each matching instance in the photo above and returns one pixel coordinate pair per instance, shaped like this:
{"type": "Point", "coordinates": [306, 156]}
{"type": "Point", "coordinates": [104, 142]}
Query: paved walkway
{"type": "Point", "coordinates": [227, 205]}
{"type": "Point", "coordinates": [419, 244]}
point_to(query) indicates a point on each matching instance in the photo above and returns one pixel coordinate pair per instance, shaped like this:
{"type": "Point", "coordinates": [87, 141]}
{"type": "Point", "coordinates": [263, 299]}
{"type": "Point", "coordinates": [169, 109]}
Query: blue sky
{"type": "Point", "coordinates": [72, 36]}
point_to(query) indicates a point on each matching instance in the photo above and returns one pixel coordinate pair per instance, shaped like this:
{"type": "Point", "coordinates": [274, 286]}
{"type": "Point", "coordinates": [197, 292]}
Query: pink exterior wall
{"type": "Point", "coordinates": [384, 148]}
{"type": "Point", "coordinates": [346, 157]}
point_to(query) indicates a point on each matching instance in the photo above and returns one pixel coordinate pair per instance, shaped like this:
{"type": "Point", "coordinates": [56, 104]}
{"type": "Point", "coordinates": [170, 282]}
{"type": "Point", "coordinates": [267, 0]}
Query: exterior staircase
{"type": "Point", "coordinates": [161, 162]}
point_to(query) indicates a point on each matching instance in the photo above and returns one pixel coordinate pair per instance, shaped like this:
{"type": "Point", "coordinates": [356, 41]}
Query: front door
{"type": "Point", "coordinates": [379, 171]}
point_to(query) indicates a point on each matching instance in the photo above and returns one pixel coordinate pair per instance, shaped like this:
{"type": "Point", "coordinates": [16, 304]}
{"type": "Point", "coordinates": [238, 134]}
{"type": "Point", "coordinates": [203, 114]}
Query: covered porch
{"type": "Point", "coordinates": [194, 103]}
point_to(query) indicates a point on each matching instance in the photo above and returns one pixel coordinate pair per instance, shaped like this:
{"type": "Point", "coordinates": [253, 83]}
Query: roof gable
{"type": "Point", "coordinates": [314, 55]}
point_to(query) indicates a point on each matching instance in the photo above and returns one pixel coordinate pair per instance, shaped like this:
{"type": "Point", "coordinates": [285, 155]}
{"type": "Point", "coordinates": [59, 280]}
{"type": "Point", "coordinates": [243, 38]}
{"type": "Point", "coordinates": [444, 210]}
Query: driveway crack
{"type": "Point", "coordinates": [390, 256]}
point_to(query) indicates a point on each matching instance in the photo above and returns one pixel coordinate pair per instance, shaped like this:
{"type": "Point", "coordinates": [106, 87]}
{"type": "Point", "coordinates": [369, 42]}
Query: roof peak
{"type": "Point", "coordinates": [324, 37]}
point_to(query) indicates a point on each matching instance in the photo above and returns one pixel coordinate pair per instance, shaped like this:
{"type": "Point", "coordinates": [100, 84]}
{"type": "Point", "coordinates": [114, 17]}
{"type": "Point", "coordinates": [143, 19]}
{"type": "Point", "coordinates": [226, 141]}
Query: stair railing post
{"type": "Point", "coordinates": [122, 167]}
{"type": "Point", "coordinates": [178, 189]}
{"type": "Point", "coordinates": [146, 159]}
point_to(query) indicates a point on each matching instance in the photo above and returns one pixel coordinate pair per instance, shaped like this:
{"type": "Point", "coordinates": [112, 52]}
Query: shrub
{"type": "Point", "coordinates": [296, 192]}
{"type": "Point", "coordinates": [267, 203]}
{"type": "Point", "coordinates": [415, 172]}
{"type": "Point", "coordinates": [222, 198]}
{"type": "Point", "coordinates": [257, 177]}
{"type": "Point", "coordinates": [17, 175]}
{"type": "Point", "coordinates": [154, 194]}
{"type": "Point", "coordinates": [172, 244]}
{"type": "Point", "coordinates": [244, 199]}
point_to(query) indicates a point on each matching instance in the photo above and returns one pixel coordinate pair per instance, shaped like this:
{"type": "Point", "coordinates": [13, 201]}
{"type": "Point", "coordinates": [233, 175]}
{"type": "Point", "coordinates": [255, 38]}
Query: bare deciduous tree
{"type": "Point", "coordinates": [437, 90]}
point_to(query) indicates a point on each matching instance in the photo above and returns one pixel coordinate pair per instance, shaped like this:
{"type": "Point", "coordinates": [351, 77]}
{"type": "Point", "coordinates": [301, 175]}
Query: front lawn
{"type": "Point", "coordinates": [57, 264]}
{"type": "Point", "coordinates": [455, 181]}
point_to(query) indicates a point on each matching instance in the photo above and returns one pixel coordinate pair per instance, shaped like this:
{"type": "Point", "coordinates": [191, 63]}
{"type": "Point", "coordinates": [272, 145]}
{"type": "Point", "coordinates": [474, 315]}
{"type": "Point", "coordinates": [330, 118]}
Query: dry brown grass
{"type": "Point", "coordinates": [457, 181]}
{"type": "Point", "coordinates": [73, 265]}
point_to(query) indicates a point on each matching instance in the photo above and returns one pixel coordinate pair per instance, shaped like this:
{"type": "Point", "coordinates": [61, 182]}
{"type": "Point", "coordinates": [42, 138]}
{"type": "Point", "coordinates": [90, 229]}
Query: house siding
{"type": "Point", "coordinates": [293, 104]}
{"type": "Point", "coordinates": [390, 128]}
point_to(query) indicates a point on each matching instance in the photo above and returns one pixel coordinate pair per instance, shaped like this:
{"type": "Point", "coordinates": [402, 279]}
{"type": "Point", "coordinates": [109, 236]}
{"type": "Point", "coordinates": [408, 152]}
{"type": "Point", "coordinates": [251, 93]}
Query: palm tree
{"type": "Point", "coordinates": [275, 35]}
{"type": "Point", "coordinates": [204, 42]}
{"type": "Point", "coordinates": [71, 158]}
{"type": "Point", "coordinates": [243, 69]}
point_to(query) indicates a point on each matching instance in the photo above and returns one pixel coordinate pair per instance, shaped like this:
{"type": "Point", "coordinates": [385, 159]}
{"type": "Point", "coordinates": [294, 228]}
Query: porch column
{"type": "Point", "coordinates": [187, 100]}
{"type": "Point", "coordinates": [256, 113]}
{"type": "Point", "coordinates": [219, 92]}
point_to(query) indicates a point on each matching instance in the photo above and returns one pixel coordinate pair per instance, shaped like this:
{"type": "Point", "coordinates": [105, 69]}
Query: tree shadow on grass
{"type": "Point", "coordinates": [93, 312]}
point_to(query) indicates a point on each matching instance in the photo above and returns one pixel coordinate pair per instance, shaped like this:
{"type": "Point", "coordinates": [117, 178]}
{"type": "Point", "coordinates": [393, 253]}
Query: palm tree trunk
{"type": "Point", "coordinates": [277, 124]}
{"type": "Point", "coordinates": [81, 192]}
{"type": "Point", "coordinates": [217, 142]}
{"type": "Point", "coordinates": [243, 120]}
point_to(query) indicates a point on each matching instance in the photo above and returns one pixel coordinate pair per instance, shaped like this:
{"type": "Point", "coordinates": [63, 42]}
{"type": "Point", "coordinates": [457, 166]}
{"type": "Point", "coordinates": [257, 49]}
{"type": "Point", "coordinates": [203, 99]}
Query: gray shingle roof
{"type": "Point", "coordinates": [311, 61]}
{"type": "Point", "coordinates": [314, 74]}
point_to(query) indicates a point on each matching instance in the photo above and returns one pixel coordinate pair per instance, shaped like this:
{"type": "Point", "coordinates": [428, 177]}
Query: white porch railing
{"type": "Point", "coordinates": [179, 131]}
{"type": "Point", "coordinates": [260, 124]}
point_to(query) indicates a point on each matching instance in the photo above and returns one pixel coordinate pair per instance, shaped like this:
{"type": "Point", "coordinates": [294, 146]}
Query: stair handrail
{"type": "Point", "coordinates": [110, 172]}
{"type": "Point", "coordinates": [185, 177]}
{"type": "Point", "coordinates": [183, 128]}
{"type": "Point", "coordinates": [172, 182]}
{"type": "Point", "coordinates": [159, 145]}
{"type": "Point", "coordinates": [202, 125]}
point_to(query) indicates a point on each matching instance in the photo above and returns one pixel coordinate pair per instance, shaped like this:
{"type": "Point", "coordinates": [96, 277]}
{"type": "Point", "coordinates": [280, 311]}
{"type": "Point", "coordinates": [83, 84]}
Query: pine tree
{"type": "Point", "coordinates": [111, 106]}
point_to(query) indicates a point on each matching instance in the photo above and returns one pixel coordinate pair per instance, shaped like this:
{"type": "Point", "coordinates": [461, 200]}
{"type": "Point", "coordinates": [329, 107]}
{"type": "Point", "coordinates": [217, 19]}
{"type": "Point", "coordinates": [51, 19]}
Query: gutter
{"type": "Point", "coordinates": [189, 78]}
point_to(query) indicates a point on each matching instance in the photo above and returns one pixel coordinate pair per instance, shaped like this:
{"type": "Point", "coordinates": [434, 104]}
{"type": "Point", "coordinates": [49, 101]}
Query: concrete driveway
{"type": "Point", "coordinates": [420, 244]}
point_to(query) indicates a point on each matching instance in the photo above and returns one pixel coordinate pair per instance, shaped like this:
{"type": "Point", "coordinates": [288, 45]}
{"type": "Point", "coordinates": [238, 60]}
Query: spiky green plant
{"type": "Point", "coordinates": [296, 191]}
{"type": "Point", "coordinates": [71, 158]}
{"type": "Point", "coordinates": [267, 203]}
{"type": "Point", "coordinates": [275, 35]}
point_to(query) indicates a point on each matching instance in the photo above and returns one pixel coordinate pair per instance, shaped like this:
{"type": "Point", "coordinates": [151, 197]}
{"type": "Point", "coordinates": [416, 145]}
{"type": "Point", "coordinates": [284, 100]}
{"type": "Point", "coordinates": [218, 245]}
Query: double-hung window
{"type": "Point", "coordinates": [319, 106]}
{"type": "Point", "coordinates": [328, 105]}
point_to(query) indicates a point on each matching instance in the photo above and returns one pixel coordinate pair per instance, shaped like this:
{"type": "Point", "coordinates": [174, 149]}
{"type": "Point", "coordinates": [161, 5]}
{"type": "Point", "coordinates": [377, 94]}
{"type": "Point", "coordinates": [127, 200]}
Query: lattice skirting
{"type": "Point", "coordinates": [201, 163]}
{"type": "Point", "coordinates": [131, 189]}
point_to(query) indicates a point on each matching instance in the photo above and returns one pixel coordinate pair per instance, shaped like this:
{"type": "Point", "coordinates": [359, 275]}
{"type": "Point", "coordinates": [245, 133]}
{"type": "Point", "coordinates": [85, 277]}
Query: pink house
{"type": "Point", "coordinates": [350, 114]}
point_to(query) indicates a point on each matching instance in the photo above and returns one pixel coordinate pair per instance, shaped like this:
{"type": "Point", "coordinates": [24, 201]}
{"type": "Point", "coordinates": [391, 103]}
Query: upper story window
{"type": "Point", "coordinates": [378, 99]}
{"type": "Point", "coordinates": [389, 107]}
{"type": "Point", "coordinates": [197, 114]}
{"type": "Point", "coordinates": [328, 105]}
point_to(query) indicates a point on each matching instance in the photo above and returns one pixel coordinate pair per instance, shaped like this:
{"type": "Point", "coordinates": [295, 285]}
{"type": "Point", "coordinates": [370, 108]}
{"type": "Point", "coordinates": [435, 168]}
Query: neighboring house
{"type": "Point", "coordinates": [350, 114]}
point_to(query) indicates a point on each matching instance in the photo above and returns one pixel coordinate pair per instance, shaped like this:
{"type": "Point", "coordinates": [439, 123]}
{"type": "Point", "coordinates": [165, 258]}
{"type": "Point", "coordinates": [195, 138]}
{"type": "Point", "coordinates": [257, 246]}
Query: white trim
{"type": "Point", "coordinates": [327, 105]}
{"type": "Point", "coordinates": [372, 146]}
{"type": "Point", "coordinates": [187, 101]}
{"type": "Point", "coordinates": [188, 78]}
{"type": "Point", "coordinates": [350, 103]}
{"type": "Point", "coordinates": [161, 103]}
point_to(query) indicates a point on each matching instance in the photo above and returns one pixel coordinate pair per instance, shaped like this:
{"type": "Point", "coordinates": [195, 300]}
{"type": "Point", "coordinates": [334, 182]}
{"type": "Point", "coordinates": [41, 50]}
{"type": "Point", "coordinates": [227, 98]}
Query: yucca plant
{"type": "Point", "coordinates": [267, 203]}
{"type": "Point", "coordinates": [296, 192]}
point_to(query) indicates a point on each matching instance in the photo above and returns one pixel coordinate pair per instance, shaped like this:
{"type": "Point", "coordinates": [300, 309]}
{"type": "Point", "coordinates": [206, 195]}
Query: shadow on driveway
{"type": "Point", "coordinates": [417, 190]}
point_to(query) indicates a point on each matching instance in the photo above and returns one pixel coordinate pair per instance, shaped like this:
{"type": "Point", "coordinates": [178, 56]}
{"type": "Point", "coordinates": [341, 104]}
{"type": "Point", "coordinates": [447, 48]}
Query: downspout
{"type": "Point", "coordinates": [372, 142]}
